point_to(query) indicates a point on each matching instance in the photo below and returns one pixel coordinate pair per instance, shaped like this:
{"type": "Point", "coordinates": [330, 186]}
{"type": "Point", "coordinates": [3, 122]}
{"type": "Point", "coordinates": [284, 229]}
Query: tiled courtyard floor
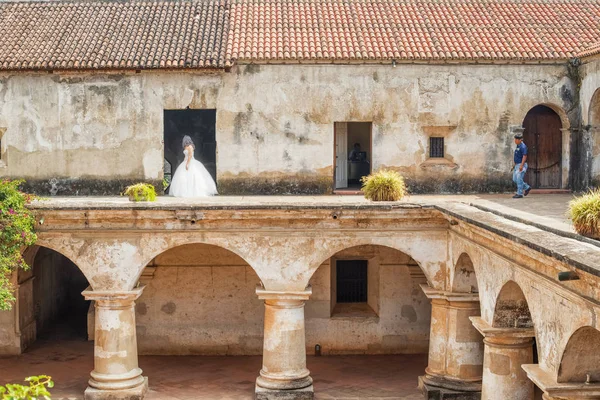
{"type": "Point", "coordinates": [187, 378]}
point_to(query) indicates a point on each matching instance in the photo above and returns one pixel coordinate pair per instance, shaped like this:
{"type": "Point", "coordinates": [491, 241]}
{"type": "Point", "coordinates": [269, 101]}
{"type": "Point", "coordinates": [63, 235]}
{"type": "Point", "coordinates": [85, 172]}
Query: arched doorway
{"type": "Point", "coordinates": [543, 138]}
{"type": "Point", "coordinates": [370, 320]}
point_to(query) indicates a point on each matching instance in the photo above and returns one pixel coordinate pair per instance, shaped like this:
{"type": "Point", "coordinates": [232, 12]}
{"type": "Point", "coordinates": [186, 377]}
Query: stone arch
{"type": "Point", "coordinates": [512, 309]}
{"type": "Point", "coordinates": [464, 279]}
{"type": "Point", "coordinates": [331, 251]}
{"type": "Point", "coordinates": [580, 358]}
{"type": "Point", "coordinates": [594, 110]}
{"type": "Point", "coordinates": [157, 251]}
{"type": "Point", "coordinates": [66, 251]}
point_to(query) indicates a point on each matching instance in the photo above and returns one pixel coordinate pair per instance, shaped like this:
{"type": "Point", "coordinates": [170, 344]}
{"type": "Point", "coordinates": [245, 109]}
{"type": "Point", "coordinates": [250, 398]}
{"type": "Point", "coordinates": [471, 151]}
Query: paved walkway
{"type": "Point", "coordinates": [220, 378]}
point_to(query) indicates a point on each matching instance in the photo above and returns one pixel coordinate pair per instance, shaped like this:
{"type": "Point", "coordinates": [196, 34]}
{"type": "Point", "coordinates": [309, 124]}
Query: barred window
{"type": "Point", "coordinates": [351, 281]}
{"type": "Point", "coordinates": [436, 147]}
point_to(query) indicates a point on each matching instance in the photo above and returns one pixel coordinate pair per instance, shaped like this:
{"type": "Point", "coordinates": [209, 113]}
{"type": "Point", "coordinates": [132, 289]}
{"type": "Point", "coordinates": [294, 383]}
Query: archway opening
{"type": "Point", "coordinates": [199, 307]}
{"type": "Point", "coordinates": [512, 311]}
{"type": "Point", "coordinates": [370, 319]}
{"type": "Point", "coordinates": [544, 139]}
{"type": "Point", "coordinates": [465, 280]}
{"type": "Point", "coordinates": [60, 311]}
{"type": "Point", "coordinates": [50, 324]}
{"type": "Point", "coordinates": [579, 362]}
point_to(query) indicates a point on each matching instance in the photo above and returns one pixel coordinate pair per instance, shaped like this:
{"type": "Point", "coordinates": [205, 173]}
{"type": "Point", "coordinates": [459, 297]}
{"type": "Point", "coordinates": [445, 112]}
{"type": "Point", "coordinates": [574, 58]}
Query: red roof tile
{"type": "Point", "coordinates": [113, 35]}
{"type": "Point", "coordinates": [372, 30]}
{"type": "Point", "coordinates": [590, 51]}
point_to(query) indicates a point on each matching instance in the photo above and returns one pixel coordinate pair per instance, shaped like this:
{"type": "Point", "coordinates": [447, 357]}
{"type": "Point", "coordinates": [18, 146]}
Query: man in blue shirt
{"type": "Point", "coordinates": [520, 167]}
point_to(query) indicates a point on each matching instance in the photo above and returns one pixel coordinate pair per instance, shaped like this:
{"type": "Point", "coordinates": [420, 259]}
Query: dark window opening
{"type": "Point", "coordinates": [351, 281]}
{"type": "Point", "coordinates": [436, 147]}
{"type": "Point", "coordinates": [200, 126]}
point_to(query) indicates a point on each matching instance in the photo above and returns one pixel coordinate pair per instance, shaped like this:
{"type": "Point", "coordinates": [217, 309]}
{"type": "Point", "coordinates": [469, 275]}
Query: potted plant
{"type": "Point", "coordinates": [384, 185]}
{"type": "Point", "coordinates": [141, 192]}
{"type": "Point", "coordinates": [584, 212]}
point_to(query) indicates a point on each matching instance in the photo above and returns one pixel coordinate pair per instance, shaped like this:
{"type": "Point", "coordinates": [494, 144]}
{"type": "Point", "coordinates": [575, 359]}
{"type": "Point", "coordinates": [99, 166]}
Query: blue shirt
{"type": "Point", "coordinates": [520, 151]}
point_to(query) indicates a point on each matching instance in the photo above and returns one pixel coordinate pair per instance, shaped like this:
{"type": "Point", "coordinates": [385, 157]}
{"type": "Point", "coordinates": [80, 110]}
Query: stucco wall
{"type": "Point", "coordinates": [590, 107]}
{"type": "Point", "coordinates": [274, 126]}
{"type": "Point", "coordinates": [201, 300]}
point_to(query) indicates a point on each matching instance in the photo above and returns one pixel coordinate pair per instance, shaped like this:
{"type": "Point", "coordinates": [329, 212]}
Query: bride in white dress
{"type": "Point", "coordinates": [191, 179]}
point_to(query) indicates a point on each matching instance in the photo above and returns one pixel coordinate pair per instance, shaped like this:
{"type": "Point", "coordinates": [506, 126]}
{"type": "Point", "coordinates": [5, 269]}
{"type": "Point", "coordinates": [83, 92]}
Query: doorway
{"type": "Point", "coordinates": [352, 151]}
{"type": "Point", "coordinates": [543, 138]}
{"type": "Point", "coordinates": [200, 126]}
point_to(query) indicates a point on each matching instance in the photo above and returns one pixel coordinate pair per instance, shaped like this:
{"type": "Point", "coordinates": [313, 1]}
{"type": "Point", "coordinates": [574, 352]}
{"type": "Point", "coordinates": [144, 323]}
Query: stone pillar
{"type": "Point", "coordinates": [284, 374]}
{"type": "Point", "coordinates": [116, 374]}
{"type": "Point", "coordinates": [455, 362]}
{"type": "Point", "coordinates": [506, 350]}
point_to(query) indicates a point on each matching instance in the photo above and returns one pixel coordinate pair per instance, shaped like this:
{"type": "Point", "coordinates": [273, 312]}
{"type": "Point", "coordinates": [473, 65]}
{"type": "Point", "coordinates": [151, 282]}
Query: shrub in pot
{"type": "Point", "coordinates": [141, 192]}
{"type": "Point", "coordinates": [384, 185]}
{"type": "Point", "coordinates": [584, 212]}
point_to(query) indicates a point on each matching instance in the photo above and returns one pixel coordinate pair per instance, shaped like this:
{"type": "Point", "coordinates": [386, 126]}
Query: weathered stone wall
{"type": "Point", "coordinates": [590, 114]}
{"type": "Point", "coordinates": [274, 129]}
{"type": "Point", "coordinates": [201, 299]}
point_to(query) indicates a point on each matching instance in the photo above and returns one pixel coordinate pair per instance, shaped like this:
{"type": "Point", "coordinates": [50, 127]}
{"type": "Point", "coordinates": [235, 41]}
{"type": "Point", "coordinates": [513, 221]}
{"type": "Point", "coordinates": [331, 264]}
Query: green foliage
{"type": "Point", "coordinates": [384, 185]}
{"type": "Point", "coordinates": [16, 233]}
{"type": "Point", "coordinates": [141, 192]}
{"type": "Point", "coordinates": [165, 183]}
{"type": "Point", "coordinates": [584, 211]}
{"type": "Point", "coordinates": [38, 388]}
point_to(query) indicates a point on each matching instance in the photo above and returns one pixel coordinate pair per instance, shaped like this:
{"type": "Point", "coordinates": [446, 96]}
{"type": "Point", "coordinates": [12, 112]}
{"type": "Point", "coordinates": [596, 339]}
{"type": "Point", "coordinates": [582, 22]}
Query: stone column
{"type": "Point", "coordinates": [455, 362]}
{"type": "Point", "coordinates": [284, 374]}
{"type": "Point", "coordinates": [116, 374]}
{"type": "Point", "coordinates": [506, 350]}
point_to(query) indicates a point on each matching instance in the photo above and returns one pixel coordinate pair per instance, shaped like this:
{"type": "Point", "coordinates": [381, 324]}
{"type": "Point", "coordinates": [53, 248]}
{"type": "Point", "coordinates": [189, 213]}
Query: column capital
{"type": "Point", "coordinates": [117, 296]}
{"type": "Point", "coordinates": [301, 295]}
{"type": "Point", "coordinates": [519, 337]}
{"type": "Point", "coordinates": [546, 381]}
{"type": "Point", "coordinates": [458, 297]}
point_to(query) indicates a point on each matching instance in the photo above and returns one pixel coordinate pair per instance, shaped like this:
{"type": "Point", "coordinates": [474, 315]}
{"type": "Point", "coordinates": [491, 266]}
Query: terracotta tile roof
{"type": "Point", "coordinates": [590, 51]}
{"type": "Point", "coordinates": [134, 34]}
{"type": "Point", "coordinates": [312, 30]}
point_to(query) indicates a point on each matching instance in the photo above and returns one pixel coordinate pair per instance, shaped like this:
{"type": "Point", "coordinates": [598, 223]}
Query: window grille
{"type": "Point", "coordinates": [351, 280]}
{"type": "Point", "coordinates": [436, 147]}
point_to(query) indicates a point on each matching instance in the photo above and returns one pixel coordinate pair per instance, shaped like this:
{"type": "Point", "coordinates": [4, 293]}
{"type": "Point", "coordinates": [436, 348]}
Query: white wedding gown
{"type": "Point", "coordinates": [193, 182]}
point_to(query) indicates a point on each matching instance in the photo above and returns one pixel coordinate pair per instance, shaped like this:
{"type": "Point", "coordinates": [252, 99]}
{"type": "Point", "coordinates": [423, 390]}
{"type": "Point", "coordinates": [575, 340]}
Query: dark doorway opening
{"type": "Point", "coordinates": [61, 311]}
{"type": "Point", "coordinates": [543, 138]}
{"type": "Point", "coordinates": [351, 281]}
{"type": "Point", "coordinates": [200, 126]}
{"type": "Point", "coordinates": [353, 154]}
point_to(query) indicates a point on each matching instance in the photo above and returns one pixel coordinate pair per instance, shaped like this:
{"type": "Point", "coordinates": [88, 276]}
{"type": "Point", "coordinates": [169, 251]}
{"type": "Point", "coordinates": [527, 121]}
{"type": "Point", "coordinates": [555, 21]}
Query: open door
{"type": "Point", "coordinates": [341, 158]}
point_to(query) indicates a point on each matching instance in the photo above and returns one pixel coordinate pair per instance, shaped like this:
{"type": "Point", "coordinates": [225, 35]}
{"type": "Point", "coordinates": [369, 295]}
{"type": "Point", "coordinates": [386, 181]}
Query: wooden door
{"type": "Point", "coordinates": [544, 141]}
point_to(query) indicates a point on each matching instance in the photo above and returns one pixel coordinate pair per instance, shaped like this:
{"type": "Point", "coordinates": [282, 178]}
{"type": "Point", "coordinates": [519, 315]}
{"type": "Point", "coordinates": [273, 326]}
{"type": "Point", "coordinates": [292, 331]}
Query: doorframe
{"type": "Point", "coordinates": [370, 145]}
{"type": "Point", "coordinates": [565, 129]}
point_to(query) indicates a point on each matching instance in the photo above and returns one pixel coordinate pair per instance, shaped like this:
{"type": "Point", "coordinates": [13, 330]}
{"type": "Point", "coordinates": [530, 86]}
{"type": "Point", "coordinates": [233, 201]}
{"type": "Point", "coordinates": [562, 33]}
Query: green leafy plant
{"type": "Point", "coordinates": [38, 388]}
{"type": "Point", "coordinates": [165, 183]}
{"type": "Point", "coordinates": [384, 185]}
{"type": "Point", "coordinates": [16, 233]}
{"type": "Point", "coordinates": [584, 211]}
{"type": "Point", "coordinates": [141, 192]}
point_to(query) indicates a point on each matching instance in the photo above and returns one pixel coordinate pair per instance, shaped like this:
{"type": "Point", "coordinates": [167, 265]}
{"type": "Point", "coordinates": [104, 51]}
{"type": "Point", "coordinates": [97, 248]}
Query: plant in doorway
{"type": "Point", "coordinates": [16, 233]}
{"type": "Point", "coordinates": [384, 185]}
{"type": "Point", "coordinates": [584, 211]}
{"type": "Point", "coordinates": [141, 192]}
{"type": "Point", "coordinates": [38, 388]}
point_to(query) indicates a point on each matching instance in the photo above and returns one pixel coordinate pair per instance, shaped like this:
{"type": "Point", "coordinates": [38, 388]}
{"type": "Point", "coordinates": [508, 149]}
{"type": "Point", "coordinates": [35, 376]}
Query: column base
{"type": "Point", "coordinates": [433, 392]}
{"type": "Point", "coordinates": [134, 393]}
{"type": "Point", "coordinates": [307, 393]}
